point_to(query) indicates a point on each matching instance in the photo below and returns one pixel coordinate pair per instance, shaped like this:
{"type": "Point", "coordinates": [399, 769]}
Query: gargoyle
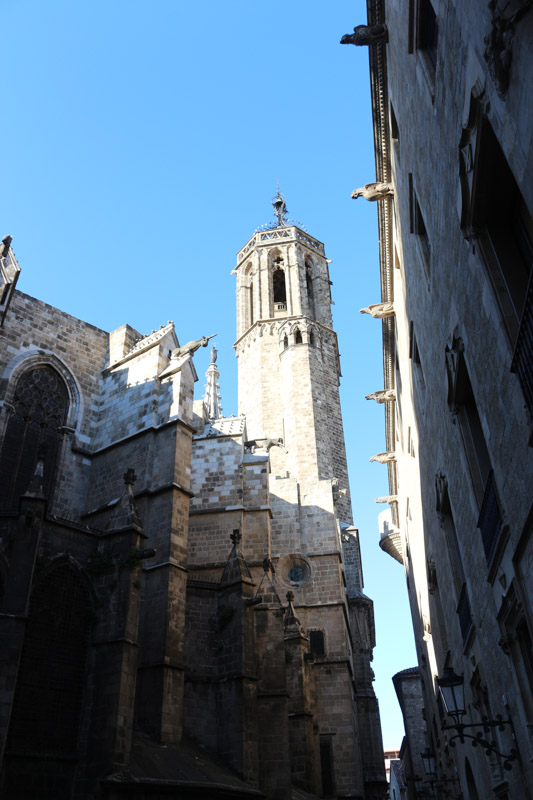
{"type": "Point", "coordinates": [379, 310]}
{"type": "Point", "coordinates": [5, 245]}
{"type": "Point", "coordinates": [262, 444]}
{"type": "Point", "coordinates": [191, 347]}
{"type": "Point", "coordinates": [391, 498]}
{"type": "Point", "coordinates": [384, 458]}
{"type": "Point", "coordinates": [366, 35]}
{"type": "Point", "coordinates": [383, 396]}
{"type": "Point", "coordinates": [374, 191]}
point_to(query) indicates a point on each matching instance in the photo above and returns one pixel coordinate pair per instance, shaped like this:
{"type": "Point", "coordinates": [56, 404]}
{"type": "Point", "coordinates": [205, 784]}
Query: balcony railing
{"type": "Point", "coordinates": [523, 354]}
{"type": "Point", "coordinates": [490, 518]}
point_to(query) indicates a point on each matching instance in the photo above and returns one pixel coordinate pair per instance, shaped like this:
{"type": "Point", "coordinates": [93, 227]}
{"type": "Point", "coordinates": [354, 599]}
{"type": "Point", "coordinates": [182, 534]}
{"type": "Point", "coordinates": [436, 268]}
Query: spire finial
{"type": "Point", "coordinates": [212, 404]}
{"type": "Point", "coordinates": [129, 477]}
{"type": "Point", "coordinates": [236, 537]}
{"type": "Point", "coordinates": [280, 209]}
{"type": "Point", "coordinates": [290, 618]}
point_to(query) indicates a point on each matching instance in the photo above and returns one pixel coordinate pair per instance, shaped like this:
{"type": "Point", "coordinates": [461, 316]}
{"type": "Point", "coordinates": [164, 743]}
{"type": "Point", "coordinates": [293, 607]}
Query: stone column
{"type": "Point", "coordinates": [237, 690]}
{"type": "Point", "coordinates": [302, 731]}
{"type": "Point", "coordinates": [272, 695]}
{"type": "Point", "coordinates": [160, 680]}
{"type": "Point", "coordinates": [115, 657]}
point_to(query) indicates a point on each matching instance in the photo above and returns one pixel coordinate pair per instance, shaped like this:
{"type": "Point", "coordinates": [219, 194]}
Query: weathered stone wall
{"type": "Point", "coordinates": [443, 287]}
{"type": "Point", "coordinates": [231, 492]}
{"type": "Point", "coordinates": [335, 709]}
{"type": "Point", "coordinates": [288, 390]}
{"type": "Point", "coordinates": [36, 333]}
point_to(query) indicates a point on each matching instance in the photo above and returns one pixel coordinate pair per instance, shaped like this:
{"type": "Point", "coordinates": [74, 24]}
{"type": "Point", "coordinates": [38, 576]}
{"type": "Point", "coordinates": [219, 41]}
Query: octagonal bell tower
{"type": "Point", "coordinates": [288, 355]}
{"type": "Point", "coordinates": [289, 394]}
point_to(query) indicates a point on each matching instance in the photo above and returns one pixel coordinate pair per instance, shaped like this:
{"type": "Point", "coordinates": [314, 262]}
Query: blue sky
{"type": "Point", "coordinates": [142, 143]}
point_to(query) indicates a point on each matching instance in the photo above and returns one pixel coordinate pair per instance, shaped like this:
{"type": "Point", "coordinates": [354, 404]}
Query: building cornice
{"type": "Point", "coordinates": [279, 321]}
{"type": "Point", "coordinates": [274, 236]}
{"type": "Point", "coordinates": [380, 119]}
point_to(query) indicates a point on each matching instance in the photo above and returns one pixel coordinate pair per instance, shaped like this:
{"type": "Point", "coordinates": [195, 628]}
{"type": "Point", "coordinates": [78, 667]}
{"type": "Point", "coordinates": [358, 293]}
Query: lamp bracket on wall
{"type": "Point", "coordinates": [478, 739]}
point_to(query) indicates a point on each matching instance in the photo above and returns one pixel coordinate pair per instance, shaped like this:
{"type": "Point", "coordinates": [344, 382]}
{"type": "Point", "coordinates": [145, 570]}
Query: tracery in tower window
{"type": "Point", "coordinates": [40, 406]}
{"type": "Point", "coordinates": [279, 289]}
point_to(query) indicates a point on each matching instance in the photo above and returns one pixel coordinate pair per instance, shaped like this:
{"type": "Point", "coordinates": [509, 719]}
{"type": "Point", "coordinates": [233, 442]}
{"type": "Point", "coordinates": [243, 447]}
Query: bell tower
{"type": "Point", "coordinates": [289, 395]}
{"type": "Point", "coordinates": [288, 354]}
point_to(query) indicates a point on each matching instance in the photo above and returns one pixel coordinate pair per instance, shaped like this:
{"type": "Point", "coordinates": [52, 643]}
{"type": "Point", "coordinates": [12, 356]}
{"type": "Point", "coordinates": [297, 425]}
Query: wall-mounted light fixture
{"type": "Point", "coordinates": [429, 761]}
{"type": "Point", "coordinates": [451, 688]}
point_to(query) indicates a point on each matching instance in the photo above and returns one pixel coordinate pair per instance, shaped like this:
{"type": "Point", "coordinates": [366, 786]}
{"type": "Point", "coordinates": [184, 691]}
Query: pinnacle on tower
{"type": "Point", "coordinates": [212, 389]}
{"type": "Point", "coordinates": [280, 210]}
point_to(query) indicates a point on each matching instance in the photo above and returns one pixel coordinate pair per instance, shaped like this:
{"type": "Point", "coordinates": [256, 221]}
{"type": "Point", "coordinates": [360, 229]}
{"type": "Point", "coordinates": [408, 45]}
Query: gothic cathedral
{"type": "Point", "coordinates": [181, 592]}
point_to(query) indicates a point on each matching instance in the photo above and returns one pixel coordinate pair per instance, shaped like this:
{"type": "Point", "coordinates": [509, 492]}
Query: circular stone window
{"type": "Point", "coordinates": [296, 574]}
{"type": "Point", "coordinates": [294, 570]}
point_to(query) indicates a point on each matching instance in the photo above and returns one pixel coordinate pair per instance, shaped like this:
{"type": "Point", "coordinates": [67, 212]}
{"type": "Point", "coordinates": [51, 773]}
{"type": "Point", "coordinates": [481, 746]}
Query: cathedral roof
{"type": "Point", "coordinates": [229, 426]}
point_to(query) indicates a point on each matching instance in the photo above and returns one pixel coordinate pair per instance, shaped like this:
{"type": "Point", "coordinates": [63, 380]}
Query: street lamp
{"type": "Point", "coordinates": [428, 759]}
{"type": "Point", "coordinates": [451, 687]}
{"type": "Point", "coordinates": [453, 693]}
{"type": "Point", "coordinates": [436, 783]}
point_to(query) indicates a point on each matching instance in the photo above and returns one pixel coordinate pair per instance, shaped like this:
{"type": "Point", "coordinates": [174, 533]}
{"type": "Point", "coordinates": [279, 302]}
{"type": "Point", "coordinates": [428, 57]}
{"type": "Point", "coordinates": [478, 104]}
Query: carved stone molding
{"type": "Point", "coordinates": [441, 490]}
{"type": "Point", "coordinates": [499, 42]}
{"type": "Point", "coordinates": [468, 151]}
{"type": "Point", "coordinates": [454, 352]}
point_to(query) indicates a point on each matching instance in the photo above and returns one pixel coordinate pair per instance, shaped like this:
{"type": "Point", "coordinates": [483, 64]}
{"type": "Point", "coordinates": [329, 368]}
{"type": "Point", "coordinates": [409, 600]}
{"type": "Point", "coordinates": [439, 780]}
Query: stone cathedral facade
{"type": "Point", "coordinates": [182, 612]}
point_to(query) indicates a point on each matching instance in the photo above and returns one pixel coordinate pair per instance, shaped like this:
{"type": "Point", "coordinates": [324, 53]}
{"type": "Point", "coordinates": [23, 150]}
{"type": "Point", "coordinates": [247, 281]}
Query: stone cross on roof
{"type": "Point", "coordinates": [236, 537]}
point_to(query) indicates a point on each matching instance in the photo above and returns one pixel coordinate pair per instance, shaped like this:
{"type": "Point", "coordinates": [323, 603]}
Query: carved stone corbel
{"type": "Point", "coordinates": [453, 352]}
{"type": "Point", "coordinates": [505, 642]}
{"type": "Point", "coordinates": [431, 571]}
{"type": "Point", "coordinates": [441, 490]}
{"type": "Point", "coordinates": [468, 144]}
{"type": "Point", "coordinates": [499, 43]}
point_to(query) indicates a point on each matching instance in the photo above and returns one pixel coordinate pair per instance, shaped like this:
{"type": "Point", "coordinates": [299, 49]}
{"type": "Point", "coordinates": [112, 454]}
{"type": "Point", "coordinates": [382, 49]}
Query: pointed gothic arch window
{"type": "Point", "coordinates": [463, 403]}
{"type": "Point", "coordinates": [310, 290]}
{"type": "Point", "coordinates": [279, 289]}
{"type": "Point", "coordinates": [285, 342]}
{"type": "Point", "coordinates": [251, 301]}
{"type": "Point", "coordinates": [312, 338]}
{"type": "Point", "coordinates": [455, 560]}
{"type": "Point", "coordinates": [40, 407]}
{"type": "Point", "coordinates": [298, 336]}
